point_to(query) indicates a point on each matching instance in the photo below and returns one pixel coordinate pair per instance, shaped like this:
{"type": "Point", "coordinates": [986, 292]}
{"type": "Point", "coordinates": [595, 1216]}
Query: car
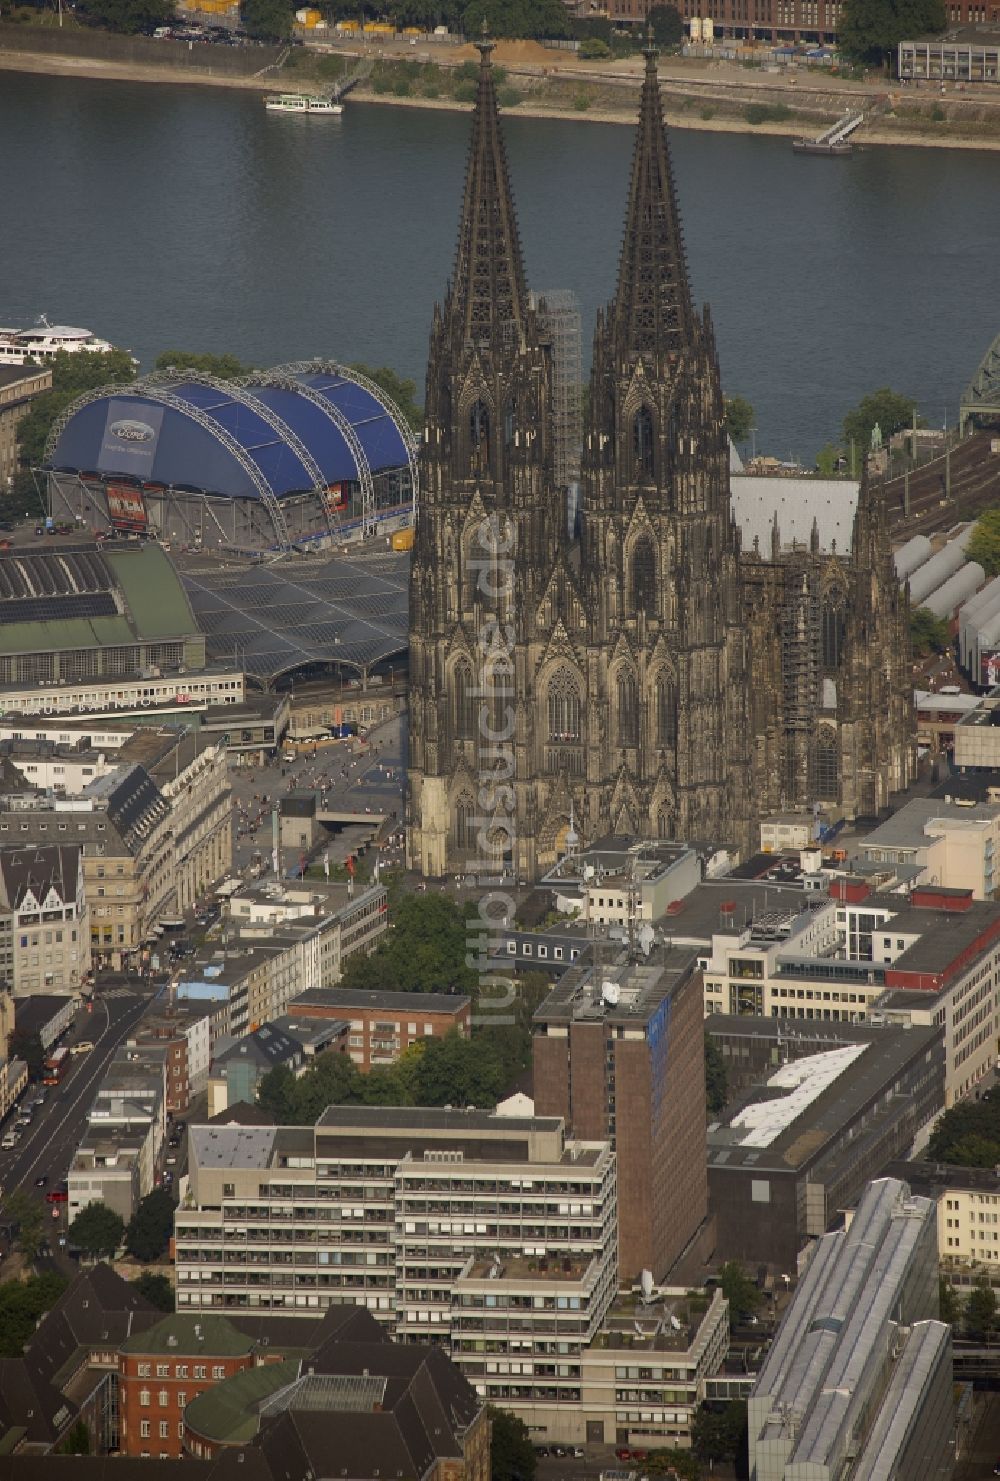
{"type": "Point", "coordinates": [42, 1181]}
{"type": "Point", "coordinates": [623, 1454]}
{"type": "Point", "coordinates": [57, 1195]}
{"type": "Point", "coordinates": [578, 1452]}
{"type": "Point", "coordinates": [171, 1161]}
{"type": "Point", "coordinates": [996, 1469]}
{"type": "Point", "coordinates": [541, 1451]}
{"type": "Point", "coordinates": [638, 1454]}
{"type": "Point", "coordinates": [180, 1126]}
{"type": "Point", "coordinates": [83, 1046]}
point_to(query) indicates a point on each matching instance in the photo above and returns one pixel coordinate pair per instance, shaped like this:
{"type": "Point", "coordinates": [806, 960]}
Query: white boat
{"type": "Point", "coordinates": [301, 103]}
{"type": "Point", "coordinates": [20, 345]}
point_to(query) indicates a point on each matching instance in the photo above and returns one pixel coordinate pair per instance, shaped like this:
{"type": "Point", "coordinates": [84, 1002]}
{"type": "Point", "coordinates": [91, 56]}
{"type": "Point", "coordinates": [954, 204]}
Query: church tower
{"type": "Point", "coordinates": [659, 547]}
{"type": "Point", "coordinates": [488, 523]}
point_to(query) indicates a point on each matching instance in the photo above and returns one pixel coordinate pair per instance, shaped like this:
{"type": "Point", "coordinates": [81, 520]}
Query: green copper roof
{"type": "Point", "coordinates": [228, 1413]}
{"type": "Point", "coordinates": [192, 1336]}
{"type": "Point", "coordinates": [152, 589]}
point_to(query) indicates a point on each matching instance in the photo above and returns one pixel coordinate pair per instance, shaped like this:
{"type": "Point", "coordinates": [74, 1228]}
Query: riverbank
{"type": "Point", "coordinates": [540, 83]}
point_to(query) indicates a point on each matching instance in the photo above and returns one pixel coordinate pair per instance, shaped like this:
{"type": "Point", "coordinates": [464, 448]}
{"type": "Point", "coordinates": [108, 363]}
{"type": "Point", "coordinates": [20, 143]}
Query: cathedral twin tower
{"type": "Point", "coordinates": [646, 676]}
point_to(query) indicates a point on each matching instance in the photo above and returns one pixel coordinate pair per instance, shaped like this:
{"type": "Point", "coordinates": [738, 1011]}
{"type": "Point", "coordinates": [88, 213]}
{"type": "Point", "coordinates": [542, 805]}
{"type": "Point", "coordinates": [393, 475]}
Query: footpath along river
{"type": "Point", "coordinates": [185, 217]}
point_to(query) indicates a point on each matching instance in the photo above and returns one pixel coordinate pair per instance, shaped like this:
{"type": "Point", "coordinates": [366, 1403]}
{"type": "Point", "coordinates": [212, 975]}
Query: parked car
{"type": "Point", "coordinates": [42, 1181]}
{"type": "Point", "coordinates": [57, 1195]}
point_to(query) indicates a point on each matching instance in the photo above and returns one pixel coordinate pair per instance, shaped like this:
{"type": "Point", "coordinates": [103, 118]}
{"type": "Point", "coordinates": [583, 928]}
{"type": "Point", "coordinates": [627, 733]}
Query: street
{"type": "Point", "coordinates": [52, 1138]}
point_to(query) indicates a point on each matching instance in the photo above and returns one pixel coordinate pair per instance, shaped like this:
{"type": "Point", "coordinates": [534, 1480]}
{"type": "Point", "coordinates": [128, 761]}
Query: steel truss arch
{"type": "Point", "coordinates": [158, 389]}
{"type": "Point", "coordinates": [358, 378]}
{"type": "Point", "coordinates": [282, 380]}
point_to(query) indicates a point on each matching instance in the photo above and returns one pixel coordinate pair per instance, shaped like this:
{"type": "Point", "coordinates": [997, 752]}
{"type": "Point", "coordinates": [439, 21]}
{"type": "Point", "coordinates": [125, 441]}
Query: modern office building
{"type": "Point", "coordinates": [800, 1146]}
{"type": "Point", "coordinates": [620, 880]}
{"type": "Point", "coordinates": [619, 1054]}
{"type": "Point", "coordinates": [857, 1385]}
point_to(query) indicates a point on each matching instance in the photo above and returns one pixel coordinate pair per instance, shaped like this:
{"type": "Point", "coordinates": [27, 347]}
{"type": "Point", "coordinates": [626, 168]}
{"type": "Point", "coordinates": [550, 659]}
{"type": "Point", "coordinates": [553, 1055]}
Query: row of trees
{"type": "Point", "coordinates": [22, 1302]}
{"type": "Point", "coordinates": [871, 30]}
{"type": "Point", "coordinates": [975, 1316]}
{"type": "Point", "coordinates": [99, 1231]}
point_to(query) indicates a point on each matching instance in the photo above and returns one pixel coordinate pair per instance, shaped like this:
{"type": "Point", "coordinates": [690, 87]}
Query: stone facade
{"type": "Point", "coordinates": [644, 672]}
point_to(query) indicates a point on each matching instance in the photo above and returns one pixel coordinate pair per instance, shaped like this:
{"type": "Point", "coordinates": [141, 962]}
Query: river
{"type": "Point", "coordinates": [186, 217]}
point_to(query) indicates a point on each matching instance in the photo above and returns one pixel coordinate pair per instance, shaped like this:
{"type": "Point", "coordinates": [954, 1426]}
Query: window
{"type": "Point", "coordinates": [163, 1370]}
{"type": "Point", "coordinates": [563, 707]}
{"type": "Point", "coordinates": [479, 438]}
{"type": "Point", "coordinates": [628, 710]}
{"type": "Point", "coordinates": [827, 766]}
{"type": "Point", "coordinates": [644, 578]}
{"type": "Point", "coordinates": [642, 444]}
{"type": "Point", "coordinates": [465, 823]}
{"type": "Point", "coordinates": [465, 702]}
{"type": "Point", "coordinates": [144, 1370]}
{"type": "Point", "coordinates": [144, 1397]}
{"type": "Point", "coordinates": [666, 710]}
{"type": "Point", "coordinates": [164, 1429]}
{"type": "Point", "coordinates": [164, 1398]}
{"type": "Point", "coordinates": [144, 1429]}
{"type": "Point", "coordinates": [218, 1371]}
{"type": "Point", "coordinates": [200, 1371]}
{"type": "Point", "coordinates": [182, 1398]}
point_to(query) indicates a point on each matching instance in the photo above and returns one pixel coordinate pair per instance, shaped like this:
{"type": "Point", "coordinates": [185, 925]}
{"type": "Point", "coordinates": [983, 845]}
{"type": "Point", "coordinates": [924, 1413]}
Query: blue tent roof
{"type": "Point", "coordinates": [235, 441]}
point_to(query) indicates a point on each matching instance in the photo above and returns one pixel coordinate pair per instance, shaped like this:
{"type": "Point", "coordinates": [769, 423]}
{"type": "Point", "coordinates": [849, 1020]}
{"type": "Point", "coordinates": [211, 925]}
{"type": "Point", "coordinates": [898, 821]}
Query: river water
{"type": "Point", "coordinates": [186, 217]}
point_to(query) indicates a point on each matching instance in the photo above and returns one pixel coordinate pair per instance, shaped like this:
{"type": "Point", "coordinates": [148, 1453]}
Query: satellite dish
{"type": "Point", "coordinates": [588, 871]}
{"type": "Point", "coordinates": [611, 994]}
{"type": "Point", "coordinates": [646, 1282]}
{"type": "Point", "coordinates": [646, 938]}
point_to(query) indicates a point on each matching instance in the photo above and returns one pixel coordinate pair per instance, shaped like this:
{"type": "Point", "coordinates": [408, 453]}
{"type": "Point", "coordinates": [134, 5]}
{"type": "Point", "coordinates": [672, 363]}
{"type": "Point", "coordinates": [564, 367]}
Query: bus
{"type": "Point", "coordinates": [56, 1066]}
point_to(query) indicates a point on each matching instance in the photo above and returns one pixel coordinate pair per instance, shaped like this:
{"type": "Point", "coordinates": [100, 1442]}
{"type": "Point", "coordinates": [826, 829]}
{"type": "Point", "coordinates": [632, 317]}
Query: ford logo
{"type": "Point", "coordinates": [132, 431]}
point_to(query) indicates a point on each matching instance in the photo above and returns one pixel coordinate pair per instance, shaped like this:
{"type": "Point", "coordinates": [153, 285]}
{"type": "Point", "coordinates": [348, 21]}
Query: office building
{"type": "Point", "coordinates": [19, 385]}
{"type": "Point", "coordinates": [857, 1384]}
{"type": "Point", "coordinates": [825, 1117]}
{"type": "Point", "coordinates": [161, 1370]}
{"type": "Point", "coordinates": [619, 880]}
{"type": "Point", "coordinates": [619, 1054]}
{"type": "Point", "coordinates": [384, 1024]}
{"type": "Point", "coordinates": [953, 842]}
{"type": "Point", "coordinates": [44, 921]}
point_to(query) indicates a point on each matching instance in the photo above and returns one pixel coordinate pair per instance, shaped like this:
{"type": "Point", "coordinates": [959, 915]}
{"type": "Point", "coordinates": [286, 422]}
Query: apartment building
{"type": "Point", "coordinates": [858, 1381]}
{"type": "Point", "coordinates": [193, 777]}
{"type": "Point", "coordinates": [19, 385]}
{"type": "Point", "coordinates": [317, 927]}
{"type": "Point", "coordinates": [967, 1200]}
{"type": "Point", "coordinates": [182, 1031]}
{"type": "Point", "coordinates": [384, 1024]}
{"type": "Point", "coordinates": [619, 1054]}
{"type": "Point", "coordinates": [115, 1161]}
{"type": "Point", "coordinates": [44, 920]}
{"type": "Point", "coordinates": [397, 1210]}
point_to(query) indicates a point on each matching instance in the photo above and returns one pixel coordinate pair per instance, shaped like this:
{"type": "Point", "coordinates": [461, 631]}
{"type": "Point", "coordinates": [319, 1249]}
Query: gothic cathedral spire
{"type": "Point", "coordinates": [652, 306]}
{"type": "Point", "coordinates": [488, 296]}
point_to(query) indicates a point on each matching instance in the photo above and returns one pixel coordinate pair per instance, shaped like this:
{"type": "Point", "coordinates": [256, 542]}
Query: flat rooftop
{"type": "Point", "coordinates": [806, 1104]}
{"type": "Point", "coordinates": [401, 1002]}
{"type": "Point", "coordinates": [542, 1268]}
{"type": "Point", "coordinates": [912, 825]}
{"type": "Point", "coordinates": [617, 859]}
{"type": "Point", "coordinates": [620, 992]}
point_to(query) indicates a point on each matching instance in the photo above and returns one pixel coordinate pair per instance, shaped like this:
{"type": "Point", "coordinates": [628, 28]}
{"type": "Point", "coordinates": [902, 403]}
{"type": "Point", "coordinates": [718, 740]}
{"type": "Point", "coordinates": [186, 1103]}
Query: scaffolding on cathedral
{"type": "Point", "coordinates": [560, 311]}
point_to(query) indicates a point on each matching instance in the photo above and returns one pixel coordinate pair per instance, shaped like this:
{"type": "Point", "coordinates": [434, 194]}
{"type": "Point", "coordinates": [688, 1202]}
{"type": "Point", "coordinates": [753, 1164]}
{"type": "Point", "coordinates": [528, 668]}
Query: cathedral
{"type": "Point", "coordinates": [640, 672]}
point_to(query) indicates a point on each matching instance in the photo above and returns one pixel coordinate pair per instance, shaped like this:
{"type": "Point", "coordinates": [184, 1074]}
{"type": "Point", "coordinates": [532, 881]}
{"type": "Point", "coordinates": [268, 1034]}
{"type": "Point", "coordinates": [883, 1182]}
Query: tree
{"type": "Point", "coordinates": [512, 1455]}
{"type": "Point", "coordinates": [276, 1093]}
{"type": "Point", "coordinates": [424, 951]}
{"type": "Point", "coordinates": [148, 1234]}
{"type": "Point", "coordinates": [267, 20]}
{"type": "Point", "coordinates": [968, 1135]}
{"type": "Point", "coordinates": [534, 19]}
{"type": "Point", "coordinates": [22, 1302]}
{"type": "Point", "coordinates": [871, 30]}
{"type": "Point", "coordinates": [400, 391]}
{"type": "Point", "coordinates": [666, 24]}
{"type": "Point", "coordinates": [981, 1311]}
{"type": "Point", "coordinates": [740, 1291]}
{"type": "Point", "coordinates": [674, 1462]}
{"type": "Point", "coordinates": [72, 375]}
{"type": "Point", "coordinates": [27, 1213]}
{"type": "Point", "coordinates": [128, 17]}
{"type": "Point", "coordinates": [719, 1434]}
{"type": "Point", "coordinates": [593, 49]}
{"type": "Point", "coordinates": [460, 1072]}
{"type": "Point", "coordinates": [830, 460]}
{"type": "Point", "coordinates": [97, 1230]}
{"type": "Point", "coordinates": [984, 544]}
{"type": "Point", "coordinates": [929, 634]}
{"type": "Point", "coordinates": [887, 409]}
{"type": "Point", "coordinates": [29, 1048]}
{"type": "Point", "coordinates": [156, 1289]}
{"type": "Point", "coordinates": [950, 1303]}
{"type": "Point", "coordinates": [77, 1442]}
{"type": "Point", "coordinates": [739, 414]}
{"type": "Point", "coordinates": [716, 1078]}
{"type": "Point", "coordinates": [225, 367]}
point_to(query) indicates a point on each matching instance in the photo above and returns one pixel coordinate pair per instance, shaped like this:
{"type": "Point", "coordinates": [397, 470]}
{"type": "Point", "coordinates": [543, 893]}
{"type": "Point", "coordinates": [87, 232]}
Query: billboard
{"type": "Point", "coordinates": [989, 667]}
{"type": "Point", "coordinates": [131, 432]}
{"type": "Point", "coordinates": [336, 496]}
{"type": "Point", "coordinates": [126, 507]}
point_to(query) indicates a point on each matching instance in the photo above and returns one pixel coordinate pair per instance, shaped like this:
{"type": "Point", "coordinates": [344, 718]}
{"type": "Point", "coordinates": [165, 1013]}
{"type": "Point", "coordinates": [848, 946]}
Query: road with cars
{"type": "Point", "coordinates": [46, 1147]}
